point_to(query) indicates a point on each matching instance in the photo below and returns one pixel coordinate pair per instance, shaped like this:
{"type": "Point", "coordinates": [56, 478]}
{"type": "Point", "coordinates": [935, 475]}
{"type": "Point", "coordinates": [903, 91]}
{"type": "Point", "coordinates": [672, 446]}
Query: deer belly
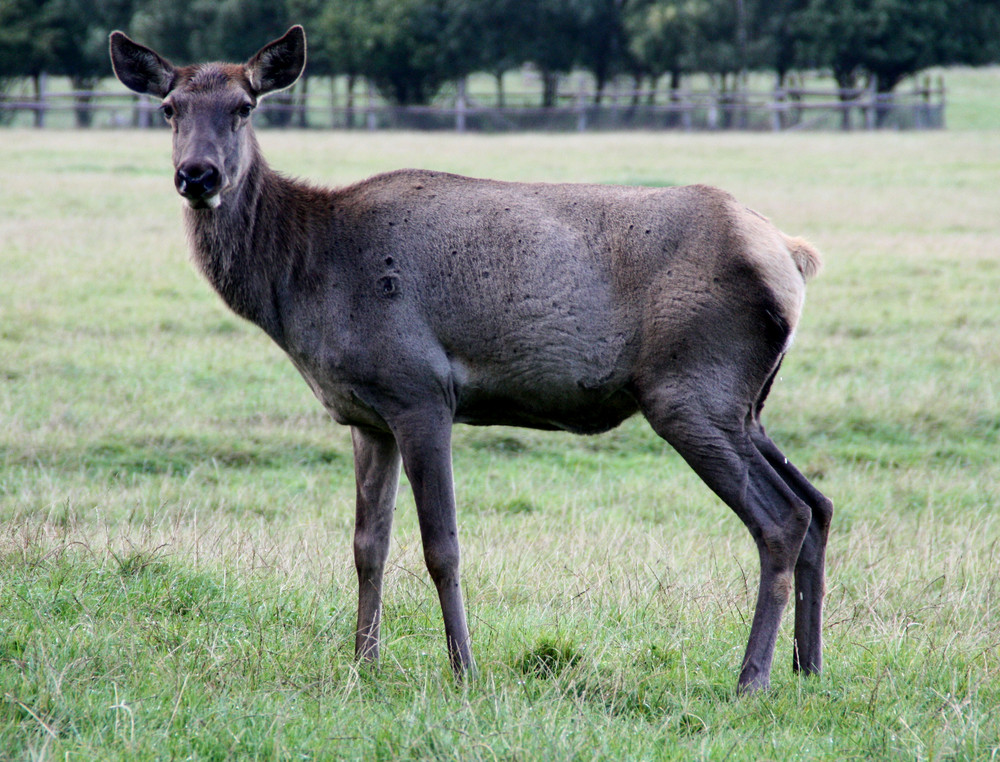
{"type": "Point", "coordinates": [591, 415]}
{"type": "Point", "coordinates": [572, 397]}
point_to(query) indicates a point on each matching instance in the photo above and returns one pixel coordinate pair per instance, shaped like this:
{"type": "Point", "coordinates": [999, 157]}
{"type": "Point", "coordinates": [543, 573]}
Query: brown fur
{"type": "Point", "coordinates": [417, 299]}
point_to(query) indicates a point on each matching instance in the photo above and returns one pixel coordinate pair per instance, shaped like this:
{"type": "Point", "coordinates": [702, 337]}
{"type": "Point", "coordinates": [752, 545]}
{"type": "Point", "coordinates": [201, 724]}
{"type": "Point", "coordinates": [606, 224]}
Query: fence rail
{"type": "Point", "coordinates": [922, 107]}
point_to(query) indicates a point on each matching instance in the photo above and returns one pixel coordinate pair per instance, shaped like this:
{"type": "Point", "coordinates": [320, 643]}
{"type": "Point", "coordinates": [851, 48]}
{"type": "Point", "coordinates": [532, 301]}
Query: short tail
{"type": "Point", "coordinates": [805, 256]}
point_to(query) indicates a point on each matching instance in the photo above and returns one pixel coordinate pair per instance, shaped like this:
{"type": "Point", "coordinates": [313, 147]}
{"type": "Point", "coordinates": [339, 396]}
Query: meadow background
{"type": "Point", "coordinates": [176, 578]}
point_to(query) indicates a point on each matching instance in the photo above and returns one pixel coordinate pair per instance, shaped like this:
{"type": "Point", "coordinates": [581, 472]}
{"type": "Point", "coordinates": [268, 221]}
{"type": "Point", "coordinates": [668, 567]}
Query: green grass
{"type": "Point", "coordinates": [176, 578]}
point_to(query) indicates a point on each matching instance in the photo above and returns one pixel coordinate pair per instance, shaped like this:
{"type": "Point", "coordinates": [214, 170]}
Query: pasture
{"type": "Point", "coordinates": [176, 578]}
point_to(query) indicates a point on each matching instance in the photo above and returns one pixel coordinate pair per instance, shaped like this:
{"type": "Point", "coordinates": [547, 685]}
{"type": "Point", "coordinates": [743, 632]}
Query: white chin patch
{"type": "Point", "coordinates": [212, 202]}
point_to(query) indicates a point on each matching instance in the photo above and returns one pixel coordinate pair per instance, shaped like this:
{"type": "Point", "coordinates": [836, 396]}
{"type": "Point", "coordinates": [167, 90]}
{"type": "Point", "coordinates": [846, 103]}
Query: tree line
{"type": "Point", "coordinates": [409, 48]}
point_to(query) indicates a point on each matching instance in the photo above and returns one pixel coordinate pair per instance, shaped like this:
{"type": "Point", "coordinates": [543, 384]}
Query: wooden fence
{"type": "Point", "coordinates": [921, 107]}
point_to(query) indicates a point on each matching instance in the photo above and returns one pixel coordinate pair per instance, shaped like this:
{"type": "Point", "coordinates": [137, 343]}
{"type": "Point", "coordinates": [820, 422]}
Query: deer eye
{"type": "Point", "coordinates": [168, 111]}
{"type": "Point", "coordinates": [244, 111]}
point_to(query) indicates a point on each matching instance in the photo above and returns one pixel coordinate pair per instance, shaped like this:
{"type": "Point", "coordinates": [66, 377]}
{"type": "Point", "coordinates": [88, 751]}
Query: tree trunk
{"type": "Point", "coordinates": [550, 88]}
{"type": "Point", "coordinates": [81, 103]}
{"type": "Point", "coordinates": [600, 80]}
{"type": "Point", "coordinates": [885, 87]}
{"type": "Point", "coordinates": [39, 82]}
{"type": "Point", "coordinates": [675, 88]}
{"type": "Point", "coordinates": [303, 110]}
{"type": "Point", "coordinates": [349, 104]}
{"type": "Point", "coordinates": [845, 81]}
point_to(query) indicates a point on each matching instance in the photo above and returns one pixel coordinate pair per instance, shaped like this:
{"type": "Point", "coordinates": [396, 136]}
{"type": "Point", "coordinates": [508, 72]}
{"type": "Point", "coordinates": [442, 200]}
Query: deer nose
{"type": "Point", "coordinates": [197, 181]}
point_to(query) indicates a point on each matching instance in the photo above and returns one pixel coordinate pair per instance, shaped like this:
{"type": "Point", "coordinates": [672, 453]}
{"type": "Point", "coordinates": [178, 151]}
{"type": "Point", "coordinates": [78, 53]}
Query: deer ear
{"type": "Point", "coordinates": [139, 68]}
{"type": "Point", "coordinates": [278, 64]}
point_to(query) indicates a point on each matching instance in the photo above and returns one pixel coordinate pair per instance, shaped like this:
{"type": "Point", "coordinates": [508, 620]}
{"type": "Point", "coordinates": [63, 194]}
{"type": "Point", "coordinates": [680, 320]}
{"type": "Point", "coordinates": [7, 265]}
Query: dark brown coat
{"type": "Point", "coordinates": [416, 299]}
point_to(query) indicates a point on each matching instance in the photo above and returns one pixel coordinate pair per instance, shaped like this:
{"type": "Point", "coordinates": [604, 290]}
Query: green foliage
{"type": "Point", "coordinates": [340, 37]}
{"type": "Point", "coordinates": [240, 25]}
{"type": "Point", "coordinates": [602, 39]}
{"type": "Point", "coordinates": [406, 57]}
{"type": "Point", "coordinates": [28, 34]}
{"type": "Point", "coordinates": [181, 30]}
{"type": "Point", "coordinates": [886, 39]}
{"type": "Point", "coordinates": [410, 48]}
{"type": "Point", "coordinates": [660, 36]}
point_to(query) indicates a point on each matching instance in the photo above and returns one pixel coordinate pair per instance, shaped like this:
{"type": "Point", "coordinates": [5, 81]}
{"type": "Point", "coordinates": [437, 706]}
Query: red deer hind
{"type": "Point", "coordinates": [416, 299]}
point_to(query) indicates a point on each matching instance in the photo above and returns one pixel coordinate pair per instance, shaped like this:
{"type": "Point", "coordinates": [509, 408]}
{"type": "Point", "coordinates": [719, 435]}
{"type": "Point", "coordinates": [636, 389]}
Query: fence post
{"type": "Point", "coordinates": [713, 112]}
{"type": "Point", "coordinates": [872, 108]}
{"type": "Point", "coordinates": [302, 102]}
{"type": "Point", "coordinates": [370, 108]}
{"type": "Point", "coordinates": [921, 99]}
{"type": "Point", "coordinates": [687, 108]}
{"type": "Point", "coordinates": [460, 107]}
{"type": "Point", "coordinates": [41, 86]}
{"type": "Point", "coordinates": [142, 109]}
{"type": "Point", "coordinates": [777, 109]}
{"type": "Point", "coordinates": [939, 121]}
{"type": "Point", "coordinates": [348, 103]}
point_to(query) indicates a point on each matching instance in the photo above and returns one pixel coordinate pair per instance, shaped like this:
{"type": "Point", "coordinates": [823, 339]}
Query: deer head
{"type": "Point", "coordinates": [209, 107]}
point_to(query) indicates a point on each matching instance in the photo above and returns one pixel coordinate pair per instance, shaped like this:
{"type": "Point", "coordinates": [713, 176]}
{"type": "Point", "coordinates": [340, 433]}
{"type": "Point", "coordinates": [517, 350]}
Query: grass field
{"type": "Point", "coordinates": [176, 579]}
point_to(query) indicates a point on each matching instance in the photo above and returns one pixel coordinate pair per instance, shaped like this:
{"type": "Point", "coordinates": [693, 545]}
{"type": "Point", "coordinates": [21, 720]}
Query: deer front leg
{"type": "Point", "coordinates": [376, 469]}
{"type": "Point", "coordinates": [425, 443]}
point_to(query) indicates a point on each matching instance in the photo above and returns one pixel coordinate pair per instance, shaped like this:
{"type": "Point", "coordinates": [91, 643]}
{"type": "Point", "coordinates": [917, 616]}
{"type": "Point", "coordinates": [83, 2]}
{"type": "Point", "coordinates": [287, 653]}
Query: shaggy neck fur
{"type": "Point", "coordinates": [247, 246]}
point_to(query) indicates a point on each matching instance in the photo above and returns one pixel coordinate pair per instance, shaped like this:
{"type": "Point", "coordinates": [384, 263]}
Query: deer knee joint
{"type": "Point", "coordinates": [442, 563]}
{"type": "Point", "coordinates": [782, 587]}
{"type": "Point", "coordinates": [823, 513]}
{"type": "Point", "coordinates": [370, 553]}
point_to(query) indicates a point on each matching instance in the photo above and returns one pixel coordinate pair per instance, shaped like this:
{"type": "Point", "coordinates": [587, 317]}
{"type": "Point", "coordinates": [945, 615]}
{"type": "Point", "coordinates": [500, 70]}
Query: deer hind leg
{"type": "Point", "coordinates": [717, 445]}
{"type": "Point", "coordinates": [810, 569]}
{"type": "Point", "coordinates": [376, 468]}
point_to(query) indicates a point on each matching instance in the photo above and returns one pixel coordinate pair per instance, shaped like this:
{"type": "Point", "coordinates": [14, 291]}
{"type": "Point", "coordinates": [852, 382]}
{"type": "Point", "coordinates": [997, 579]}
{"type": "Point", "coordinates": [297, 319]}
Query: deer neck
{"type": "Point", "coordinates": [240, 246]}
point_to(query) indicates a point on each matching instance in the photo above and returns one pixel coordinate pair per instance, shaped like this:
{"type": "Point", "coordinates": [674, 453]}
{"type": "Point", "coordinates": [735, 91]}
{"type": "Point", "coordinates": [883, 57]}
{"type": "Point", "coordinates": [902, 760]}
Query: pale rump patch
{"type": "Point", "coordinates": [805, 256]}
{"type": "Point", "coordinates": [783, 262]}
